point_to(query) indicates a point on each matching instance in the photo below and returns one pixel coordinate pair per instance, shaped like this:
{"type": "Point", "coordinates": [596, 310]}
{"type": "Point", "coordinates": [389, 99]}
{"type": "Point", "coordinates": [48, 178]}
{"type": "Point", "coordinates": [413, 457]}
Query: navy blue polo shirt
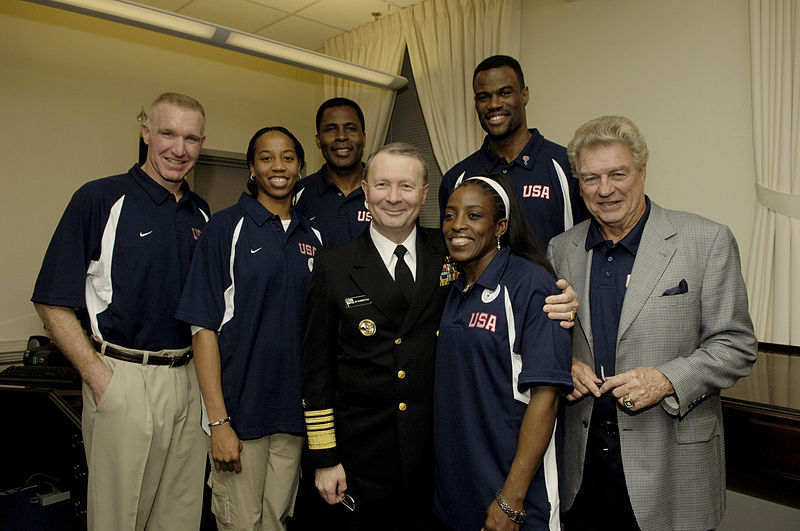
{"type": "Point", "coordinates": [121, 253]}
{"type": "Point", "coordinates": [536, 180]}
{"type": "Point", "coordinates": [495, 342]}
{"type": "Point", "coordinates": [612, 264]}
{"type": "Point", "coordinates": [248, 281]}
{"type": "Point", "coordinates": [341, 218]}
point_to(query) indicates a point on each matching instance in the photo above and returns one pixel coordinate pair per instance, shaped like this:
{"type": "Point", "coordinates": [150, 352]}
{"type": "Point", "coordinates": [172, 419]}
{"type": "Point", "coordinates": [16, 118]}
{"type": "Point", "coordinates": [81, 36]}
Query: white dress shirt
{"type": "Point", "coordinates": [386, 248]}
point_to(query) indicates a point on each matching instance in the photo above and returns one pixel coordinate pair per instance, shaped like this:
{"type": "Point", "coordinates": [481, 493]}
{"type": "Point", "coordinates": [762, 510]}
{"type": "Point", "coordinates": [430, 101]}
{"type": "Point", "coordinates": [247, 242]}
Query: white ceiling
{"type": "Point", "coordinates": [304, 23]}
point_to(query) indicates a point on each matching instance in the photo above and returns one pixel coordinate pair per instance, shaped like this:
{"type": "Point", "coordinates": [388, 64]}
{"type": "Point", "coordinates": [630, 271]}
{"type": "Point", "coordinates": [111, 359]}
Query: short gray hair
{"type": "Point", "coordinates": [178, 100]}
{"type": "Point", "coordinates": [402, 149]}
{"type": "Point", "coordinates": [608, 130]}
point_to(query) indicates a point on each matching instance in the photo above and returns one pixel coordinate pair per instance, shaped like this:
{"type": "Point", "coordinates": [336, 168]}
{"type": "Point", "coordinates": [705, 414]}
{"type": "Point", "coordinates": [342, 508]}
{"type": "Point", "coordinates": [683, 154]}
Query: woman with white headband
{"type": "Point", "coordinates": [501, 369]}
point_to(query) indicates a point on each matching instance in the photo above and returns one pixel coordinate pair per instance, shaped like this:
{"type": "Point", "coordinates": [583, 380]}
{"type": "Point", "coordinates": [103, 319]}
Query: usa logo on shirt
{"type": "Point", "coordinates": [196, 232]}
{"type": "Point", "coordinates": [487, 321]}
{"type": "Point", "coordinates": [364, 216]}
{"type": "Point", "coordinates": [307, 248]}
{"type": "Point", "coordinates": [536, 190]}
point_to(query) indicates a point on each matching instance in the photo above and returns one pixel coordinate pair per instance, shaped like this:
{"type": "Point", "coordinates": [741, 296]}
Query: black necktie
{"type": "Point", "coordinates": [402, 274]}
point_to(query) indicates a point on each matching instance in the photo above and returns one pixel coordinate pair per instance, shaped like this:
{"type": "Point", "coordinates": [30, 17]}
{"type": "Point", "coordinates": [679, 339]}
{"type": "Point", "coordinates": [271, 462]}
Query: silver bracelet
{"type": "Point", "coordinates": [515, 516]}
{"type": "Point", "coordinates": [219, 422]}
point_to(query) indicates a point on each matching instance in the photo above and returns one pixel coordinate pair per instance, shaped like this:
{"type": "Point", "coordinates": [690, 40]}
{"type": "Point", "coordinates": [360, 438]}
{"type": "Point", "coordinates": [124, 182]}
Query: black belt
{"type": "Point", "coordinates": [113, 352]}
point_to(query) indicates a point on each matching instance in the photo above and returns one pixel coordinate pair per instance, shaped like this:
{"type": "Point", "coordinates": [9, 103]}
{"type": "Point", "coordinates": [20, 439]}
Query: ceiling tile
{"type": "Point", "coordinates": [300, 32]}
{"type": "Point", "coordinates": [350, 14]}
{"type": "Point", "coordinates": [290, 6]}
{"type": "Point", "coordinates": [166, 5]}
{"type": "Point", "coordinates": [238, 14]}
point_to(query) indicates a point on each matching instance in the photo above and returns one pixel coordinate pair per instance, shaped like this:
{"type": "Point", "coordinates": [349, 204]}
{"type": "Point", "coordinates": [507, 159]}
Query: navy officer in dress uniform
{"type": "Point", "coordinates": [371, 322]}
{"type": "Point", "coordinates": [371, 318]}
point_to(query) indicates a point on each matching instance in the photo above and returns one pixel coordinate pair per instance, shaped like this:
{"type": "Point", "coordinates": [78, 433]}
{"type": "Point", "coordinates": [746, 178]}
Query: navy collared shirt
{"type": "Point", "coordinates": [612, 264]}
{"type": "Point", "coordinates": [248, 281]}
{"type": "Point", "coordinates": [536, 180]}
{"type": "Point", "coordinates": [121, 253]}
{"type": "Point", "coordinates": [340, 218]}
{"type": "Point", "coordinates": [495, 338]}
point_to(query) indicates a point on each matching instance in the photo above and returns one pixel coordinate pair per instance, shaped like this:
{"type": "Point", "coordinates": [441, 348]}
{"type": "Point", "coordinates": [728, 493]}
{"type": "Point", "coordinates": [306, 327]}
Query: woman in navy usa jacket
{"type": "Point", "coordinates": [244, 298]}
{"type": "Point", "coordinates": [501, 368]}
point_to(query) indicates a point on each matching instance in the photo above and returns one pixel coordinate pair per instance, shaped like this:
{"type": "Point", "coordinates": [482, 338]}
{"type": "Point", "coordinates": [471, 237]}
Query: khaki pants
{"type": "Point", "coordinates": [145, 449]}
{"type": "Point", "coordinates": [262, 495]}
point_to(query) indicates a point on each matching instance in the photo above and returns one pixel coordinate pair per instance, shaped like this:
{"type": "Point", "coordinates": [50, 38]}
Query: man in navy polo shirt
{"type": "Point", "coordinates": [115, 266]}
{"type": "Point", "coordinates": [333, 197]}
{"type": "Point", "coordinates": [537, 168]}
{"type": "Point", "coordinates": [663, 327]}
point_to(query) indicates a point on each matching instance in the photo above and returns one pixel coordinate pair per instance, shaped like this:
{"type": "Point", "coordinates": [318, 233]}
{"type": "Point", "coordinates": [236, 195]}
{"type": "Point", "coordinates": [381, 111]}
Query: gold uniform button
{"type": "Point", "coordinates": [402, 406]}
{"type": "Point", "coordinates": [398, 341]}
{"type": "Point", "coordinates": [437, 333]}
{"type": "Point", "coordinates": [367, 327]}
{"type": "Point", "coordinates": [401, 374]}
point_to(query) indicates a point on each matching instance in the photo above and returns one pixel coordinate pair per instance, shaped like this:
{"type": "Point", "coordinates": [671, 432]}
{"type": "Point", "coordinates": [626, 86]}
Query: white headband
{"type": "Point", "coordinates": [495, 186]}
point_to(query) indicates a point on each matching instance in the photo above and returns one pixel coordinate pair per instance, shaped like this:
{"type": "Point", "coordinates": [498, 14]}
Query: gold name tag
{"type": "Point", "coordinates": [358, 300]}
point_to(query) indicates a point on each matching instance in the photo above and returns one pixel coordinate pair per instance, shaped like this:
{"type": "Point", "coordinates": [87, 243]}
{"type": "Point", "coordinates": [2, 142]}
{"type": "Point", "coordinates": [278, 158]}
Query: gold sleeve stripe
{"type": "Point", "coordinates": [321, 440]}
{"type": "Point", "coordinates": [318, 412]}
{"type": "Point", "coordinates": [319, 426]}
{"type": "Point", "coordinates": [317, 420]}
{"type": "Point", "coordinates": [321, 436]}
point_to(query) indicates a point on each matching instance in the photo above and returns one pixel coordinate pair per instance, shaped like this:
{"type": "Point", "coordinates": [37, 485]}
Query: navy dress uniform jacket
{"type": "Point", "coordinates": [368, 360]}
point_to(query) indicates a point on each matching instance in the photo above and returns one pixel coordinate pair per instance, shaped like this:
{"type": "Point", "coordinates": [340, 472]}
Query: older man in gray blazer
{"type": "Point", "coordinates": [663, 328]}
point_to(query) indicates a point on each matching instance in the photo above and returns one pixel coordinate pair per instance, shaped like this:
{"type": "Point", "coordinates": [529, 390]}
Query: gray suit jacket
{"type": "Point", "coordinates": [702, 340]}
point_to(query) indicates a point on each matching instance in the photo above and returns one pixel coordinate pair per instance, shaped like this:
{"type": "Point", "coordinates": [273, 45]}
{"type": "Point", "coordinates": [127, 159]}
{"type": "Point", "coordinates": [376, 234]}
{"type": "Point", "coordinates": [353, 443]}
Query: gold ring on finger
{"type": "Point", "coordinates": [627, 401]}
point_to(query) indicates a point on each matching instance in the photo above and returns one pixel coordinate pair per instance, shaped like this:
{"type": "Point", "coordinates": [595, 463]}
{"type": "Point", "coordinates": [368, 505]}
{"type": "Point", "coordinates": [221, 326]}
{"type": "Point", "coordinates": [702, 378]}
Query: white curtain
{"type": "Point", "coordinates": [446, 40]}
{"type": "Point", "coordinates": [379, 45]}
{"type": "Point", "coordinates": [773, 275]}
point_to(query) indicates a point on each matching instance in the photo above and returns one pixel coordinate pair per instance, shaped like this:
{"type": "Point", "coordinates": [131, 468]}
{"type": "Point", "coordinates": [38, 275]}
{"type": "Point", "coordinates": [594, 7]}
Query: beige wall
{"type": "Point", "coordinates": [679, 69]}
{"type": "Point", "coordinates": [72, 86]}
